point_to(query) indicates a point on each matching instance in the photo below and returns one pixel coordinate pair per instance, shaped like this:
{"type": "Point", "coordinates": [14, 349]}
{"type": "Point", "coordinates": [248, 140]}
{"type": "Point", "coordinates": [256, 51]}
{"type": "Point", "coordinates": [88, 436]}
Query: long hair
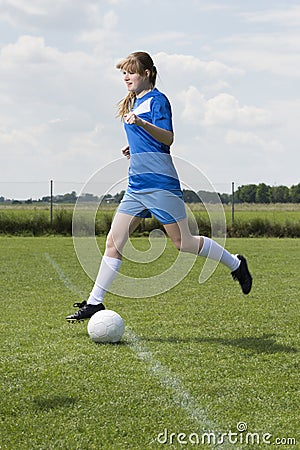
{"type": "Point", "coordinates": [136, 62]}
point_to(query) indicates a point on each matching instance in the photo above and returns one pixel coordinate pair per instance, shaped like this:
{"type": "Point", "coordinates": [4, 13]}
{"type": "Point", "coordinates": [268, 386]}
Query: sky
{"type": "Point", "coordinates": [230, 69]}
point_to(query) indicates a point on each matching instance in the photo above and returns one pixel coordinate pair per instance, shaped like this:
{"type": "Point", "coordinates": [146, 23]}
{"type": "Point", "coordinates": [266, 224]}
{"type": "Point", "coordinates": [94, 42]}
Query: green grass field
{"type": "Point", "coordinates": [196, 359]}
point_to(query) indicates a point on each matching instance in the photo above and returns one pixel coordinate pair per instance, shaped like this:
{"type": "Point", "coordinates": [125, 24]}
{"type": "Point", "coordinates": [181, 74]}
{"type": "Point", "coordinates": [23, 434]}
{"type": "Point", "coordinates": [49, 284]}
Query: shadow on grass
{"type": "Point", "coordinates": [56, 402]}
{"type": "Point", "coordinates": [263, 344]}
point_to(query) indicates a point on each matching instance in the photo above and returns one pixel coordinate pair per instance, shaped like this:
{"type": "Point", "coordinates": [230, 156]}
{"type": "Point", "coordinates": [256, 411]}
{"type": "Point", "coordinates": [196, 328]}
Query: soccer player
{"type": "Point", "coordinates": [153, 184]}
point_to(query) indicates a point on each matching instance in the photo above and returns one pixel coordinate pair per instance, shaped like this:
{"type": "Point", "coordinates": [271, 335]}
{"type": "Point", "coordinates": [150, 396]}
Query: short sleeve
{"type": "Point", "coordinates": [161, 113]}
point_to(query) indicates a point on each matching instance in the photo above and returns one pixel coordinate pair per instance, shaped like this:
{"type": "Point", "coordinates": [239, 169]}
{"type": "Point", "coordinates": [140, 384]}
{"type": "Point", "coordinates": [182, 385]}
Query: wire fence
{"type": "Point", "coordinates": [47, 206]}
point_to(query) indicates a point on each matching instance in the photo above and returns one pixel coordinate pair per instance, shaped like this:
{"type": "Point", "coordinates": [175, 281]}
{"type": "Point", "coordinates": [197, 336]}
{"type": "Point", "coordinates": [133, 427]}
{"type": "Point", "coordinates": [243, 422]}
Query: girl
{"type": "Point", "coordinates": [153, 184]}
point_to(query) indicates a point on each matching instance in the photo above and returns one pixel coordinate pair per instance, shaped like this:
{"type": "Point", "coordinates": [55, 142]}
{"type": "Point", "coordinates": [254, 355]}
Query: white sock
{"type": "Point", "coordinates": [214, 251]}
{"type": "Point", "coordinates": [109, 268]}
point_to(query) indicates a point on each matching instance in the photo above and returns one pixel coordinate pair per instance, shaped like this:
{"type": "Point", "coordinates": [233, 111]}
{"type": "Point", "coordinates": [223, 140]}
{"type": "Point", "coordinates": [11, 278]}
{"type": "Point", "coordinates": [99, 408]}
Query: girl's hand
{"type": "Point", "coordinates": [133, 119]}
{"type": "Point", "coordinates": [160, 134]}
{"type": "Point", "coordinates": [126, 151]}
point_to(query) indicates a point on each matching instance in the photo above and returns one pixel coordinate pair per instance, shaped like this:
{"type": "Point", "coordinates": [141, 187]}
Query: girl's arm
{"type": "Point", "coordinates": [160, 134]}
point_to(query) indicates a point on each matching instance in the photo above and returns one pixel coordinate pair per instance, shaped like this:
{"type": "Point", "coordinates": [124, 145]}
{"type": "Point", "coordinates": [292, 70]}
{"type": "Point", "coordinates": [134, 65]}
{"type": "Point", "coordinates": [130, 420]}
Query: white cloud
{"type": "Point", "coordinates": [32, 70]}
{"type": "Point", "coordinates": [19, 138]}
{"type": "Point", "coordinates": [116, 2]}
{"type": "Point", "coordinates": [58, 109]}
{"type": "Point", "coordinates": [230, 70]}
{"type": "Point", "coordinates": [27, 50]}
{"type": "Point", "coordinates": [274, 52]}
{"type": "Point", "coordinates": [189, 65]}
{"type": "Point", "coordinates": [221, 110]}
{"type": "Point", "coordinates": [34, 7]}
{"type": "Point", "coordinates": [250, 139]}
{"type": "Point", "coordinates": [178, 72]}
{"type": "Point", "coordinates": [224, 109]}
{"type": "Point", "coordinates": [107, 24]}
{"type": "Point", "coordinates": [290, 16]}
{"type": "Point", "coordinates": [194, 105]}
{"type": "Point", "coordinates": [59, 15]}
{"type": "Point", "coordinates": [177, 36]}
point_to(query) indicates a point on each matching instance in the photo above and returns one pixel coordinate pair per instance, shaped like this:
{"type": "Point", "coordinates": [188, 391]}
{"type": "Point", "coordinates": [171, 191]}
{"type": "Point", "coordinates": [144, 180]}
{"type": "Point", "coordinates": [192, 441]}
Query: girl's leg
{"type": "Point", "coordinates": [203, 246]}
{"type": "Point", "coordinates": [182, 238]}
{"type": "Point", "coordinates": [122, 226]}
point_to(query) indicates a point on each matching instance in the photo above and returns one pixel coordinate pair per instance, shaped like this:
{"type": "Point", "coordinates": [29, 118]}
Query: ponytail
{"type": "Point", "coordinates": [126, 105]}
{"type": "Point", "coordinates": [153, 76]}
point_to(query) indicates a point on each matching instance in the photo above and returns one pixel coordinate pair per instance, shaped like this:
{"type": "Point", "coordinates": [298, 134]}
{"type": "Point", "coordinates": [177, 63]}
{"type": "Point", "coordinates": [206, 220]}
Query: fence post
{"type": "Point", "coordinates": [51, 202]}
{"type": "Point", "coordinates": [232, 203]}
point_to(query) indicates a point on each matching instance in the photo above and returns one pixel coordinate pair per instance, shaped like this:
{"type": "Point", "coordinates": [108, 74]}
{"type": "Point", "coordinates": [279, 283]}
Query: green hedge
{"type": "Point", "coordinates": [37, 223]}
{"type": "Point", "coordinates": [257, 227]}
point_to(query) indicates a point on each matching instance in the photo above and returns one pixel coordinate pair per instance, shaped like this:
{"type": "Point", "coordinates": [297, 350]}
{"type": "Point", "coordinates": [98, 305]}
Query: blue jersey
{"type": "Point", "coordinates": [151, 166]}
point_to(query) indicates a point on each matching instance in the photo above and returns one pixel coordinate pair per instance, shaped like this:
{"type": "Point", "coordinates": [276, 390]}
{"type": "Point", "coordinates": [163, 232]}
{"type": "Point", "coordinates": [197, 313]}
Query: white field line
{"type": "Point", "coordinates": [63, 277]}
{"type": "Point", "coordinates": [181, 397]}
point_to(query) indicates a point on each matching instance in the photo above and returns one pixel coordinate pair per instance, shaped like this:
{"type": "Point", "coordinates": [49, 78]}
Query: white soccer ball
{"type": "Point", "coordinates": [106, 326]}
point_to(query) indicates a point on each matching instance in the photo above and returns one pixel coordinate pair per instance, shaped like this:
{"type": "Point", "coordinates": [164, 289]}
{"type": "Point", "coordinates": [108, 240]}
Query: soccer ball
{"type": "Point", "coordinates": [106, 326]}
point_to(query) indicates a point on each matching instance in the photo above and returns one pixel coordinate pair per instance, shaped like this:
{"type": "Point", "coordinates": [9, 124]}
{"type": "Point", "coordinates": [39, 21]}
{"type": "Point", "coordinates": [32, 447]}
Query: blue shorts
{"type": "Point", "coordinates": [166, 206]}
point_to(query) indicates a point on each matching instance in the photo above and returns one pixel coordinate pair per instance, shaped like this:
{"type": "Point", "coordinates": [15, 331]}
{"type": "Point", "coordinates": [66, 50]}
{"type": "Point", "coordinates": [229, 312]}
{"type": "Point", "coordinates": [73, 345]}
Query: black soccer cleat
{"type": "Point", "coordinates": [85, 312]}
{"type": "Point", "coordinates": [243, 275]}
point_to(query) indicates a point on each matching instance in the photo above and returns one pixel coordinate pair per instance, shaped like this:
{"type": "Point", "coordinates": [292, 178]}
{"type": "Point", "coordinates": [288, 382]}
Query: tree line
{"type": "Point", "coordinates": [262, 193]}
{"type": "Point", "coordinates": [248, 193]}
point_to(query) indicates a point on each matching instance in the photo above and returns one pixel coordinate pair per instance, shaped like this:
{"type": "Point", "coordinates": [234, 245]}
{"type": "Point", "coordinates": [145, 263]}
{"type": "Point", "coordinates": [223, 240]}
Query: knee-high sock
{"type": "Point", "coordinates": [213, 250]}
{"type": "Point", "coordinates": [108, 270]}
